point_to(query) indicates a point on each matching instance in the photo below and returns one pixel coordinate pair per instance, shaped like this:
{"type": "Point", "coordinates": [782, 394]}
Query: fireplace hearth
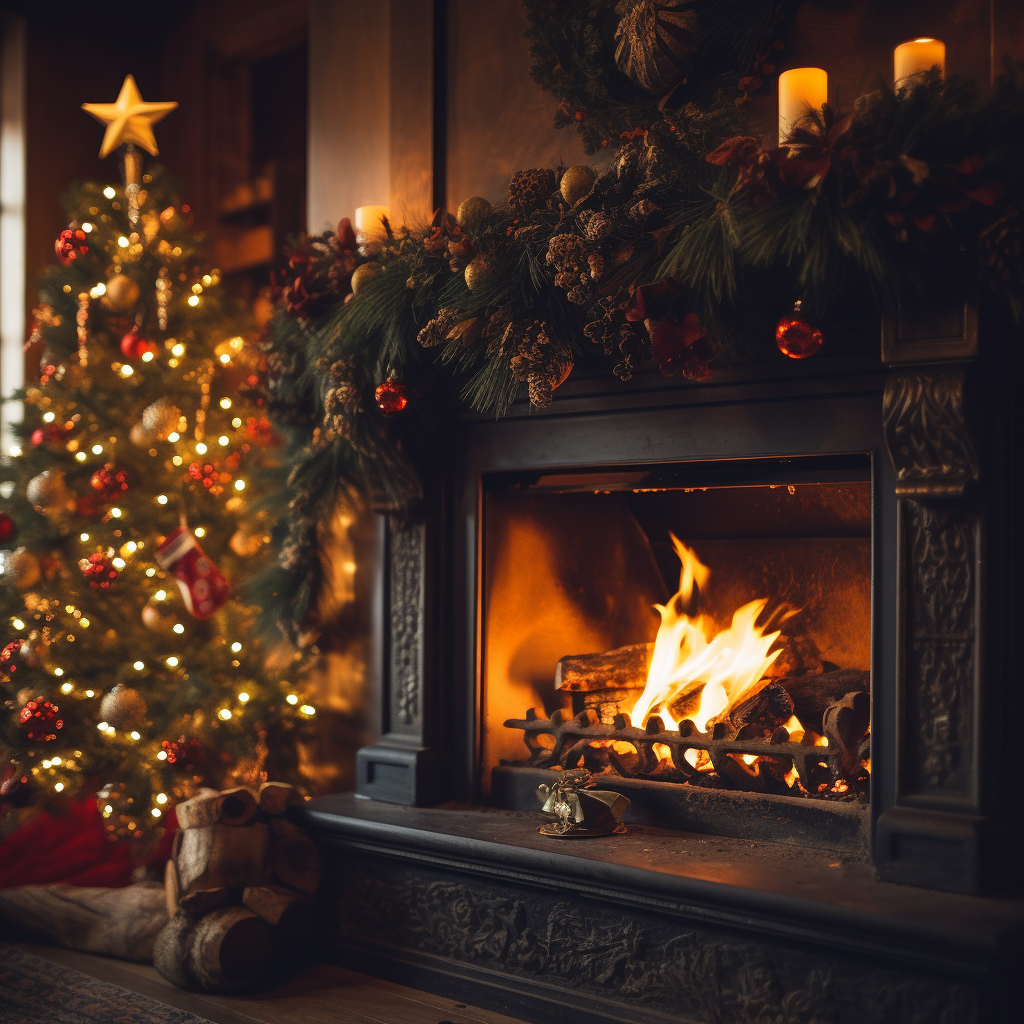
{"type": "Point", "coordinates": [821, 828]}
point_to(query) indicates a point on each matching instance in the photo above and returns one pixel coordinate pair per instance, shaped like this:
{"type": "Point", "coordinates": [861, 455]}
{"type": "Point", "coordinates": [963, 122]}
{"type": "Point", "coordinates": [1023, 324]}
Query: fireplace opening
{"type": "Point", "coordinates": [702, 626]}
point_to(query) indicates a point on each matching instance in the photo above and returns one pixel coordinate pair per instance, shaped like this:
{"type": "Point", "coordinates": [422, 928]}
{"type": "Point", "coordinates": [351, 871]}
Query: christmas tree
{"type": "Point", "coordinates": [129, 667]}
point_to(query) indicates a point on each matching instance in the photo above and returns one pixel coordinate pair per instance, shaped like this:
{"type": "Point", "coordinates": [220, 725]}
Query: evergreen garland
{"type": "Point", "coordinates": [641, 265]}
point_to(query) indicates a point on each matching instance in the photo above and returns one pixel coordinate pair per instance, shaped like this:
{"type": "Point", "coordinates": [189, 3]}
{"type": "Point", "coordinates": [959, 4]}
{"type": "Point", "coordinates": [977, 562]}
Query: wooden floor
{"type": "Point", "coordinates": [321, 994]}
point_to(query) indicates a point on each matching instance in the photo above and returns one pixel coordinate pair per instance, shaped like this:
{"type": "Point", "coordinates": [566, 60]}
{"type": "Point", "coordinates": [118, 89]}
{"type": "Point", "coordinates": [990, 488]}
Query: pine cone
{"type": "Point", "coordinates": [1001, 252]}
{"type": "Point", "coordinates": [598, 226]}
{"type": "Point", "coordinates": [436, 332]}
{"type": "Point", "coordinates": [542, 362]}
{"type": "Point", "coordinates": [569, 256]}
{"type": "Point", "coordinates": [530, 190]}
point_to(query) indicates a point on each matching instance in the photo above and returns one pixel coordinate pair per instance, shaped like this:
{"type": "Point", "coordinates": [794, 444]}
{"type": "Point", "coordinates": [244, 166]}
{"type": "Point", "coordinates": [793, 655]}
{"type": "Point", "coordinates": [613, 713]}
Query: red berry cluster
{"type": "Point", "coordinates": [98, 570]}
{"type": "Point", "coordinates": [8, 663]}
{"type": "Point", "coordinates": [109, 481]}
{"type": "Point", "coordinates": [186, 752]}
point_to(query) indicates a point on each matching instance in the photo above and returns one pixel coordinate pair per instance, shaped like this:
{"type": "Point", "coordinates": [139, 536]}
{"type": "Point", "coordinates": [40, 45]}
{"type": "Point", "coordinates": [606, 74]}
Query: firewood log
{"type": "Point", "coordinates": [113, 922]}
{"type": "Point", "coordinates": [276, 797]}
{"type": "Point", "coordinates": [208, 807]}
{"type": "Point", "coordinates": [291, 914]}
{"type": "Point", "coordinates": [203, 901]}
{"type": "Point", "coordinates": [220, 856]}
{"type": "Point", "coordinates": [765, 710]}
{"type": "Point", "coordinates": [225, 951]}
{"type": "Point", "coordinates": [622, 669]}
{"type": "Point", "coordinates": [294, 857]}
{"type": "Point", "coordinates": [814, 694]}
{"type": "Point", "coordinates": [171, 887]}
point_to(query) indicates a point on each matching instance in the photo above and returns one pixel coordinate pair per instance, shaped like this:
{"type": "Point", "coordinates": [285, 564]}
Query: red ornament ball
{"type": "Point", "coordinates": [39, 721]}
{"type": "Point", "coordinates": [53, 432]}
{"type": "Point", "coordinates": [98, 570]}
{"type": "Point", "coordinates": [8, 528]}
{"type": "Point", "coordinates": [391, 397]}
{"type": "Point", "coordinates": [133, 346]}
{"type": "Point", "coordinates": [185, 753]}
{"type": "Point", "coordinates": [795, 337]}
{"type": "Point", "coordinates": [70, 244]}
{"type": "Point", "coordinates": [109, 481]}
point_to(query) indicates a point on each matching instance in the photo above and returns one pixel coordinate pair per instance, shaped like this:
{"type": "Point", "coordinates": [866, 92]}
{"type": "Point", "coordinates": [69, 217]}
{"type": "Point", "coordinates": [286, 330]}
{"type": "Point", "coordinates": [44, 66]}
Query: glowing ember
{"type": "Point", "coordinates": [688, 652]}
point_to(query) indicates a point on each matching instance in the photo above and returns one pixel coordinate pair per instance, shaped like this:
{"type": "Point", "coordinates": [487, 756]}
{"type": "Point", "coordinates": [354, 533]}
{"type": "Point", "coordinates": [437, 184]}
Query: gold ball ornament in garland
{"type": "Point", "coordinates": [472, 212]}
{"type": "Point", "coordinates": [478, 272]}
{"type": "Point", "coordinates": [123, 708]}
{"type": "Point", "coordinates": [24, 567]}
{"type": "Point", "coordinates": [122, 293]}
{"type": "Point", "coordinates": [654, 41]}
{"type": "Point", "coordinates": [577, 183]}
{"type": "Point", "coordinates": [49, 494]}
{"type": "Point", "coordinates": [159, 419]}
{"type": "Point", "coordinates": [363, 275]}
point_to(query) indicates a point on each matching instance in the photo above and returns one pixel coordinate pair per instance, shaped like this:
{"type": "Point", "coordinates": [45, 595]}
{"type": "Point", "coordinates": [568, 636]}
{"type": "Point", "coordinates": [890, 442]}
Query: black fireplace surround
{"type": "Point", "coordinates": [720, 907]}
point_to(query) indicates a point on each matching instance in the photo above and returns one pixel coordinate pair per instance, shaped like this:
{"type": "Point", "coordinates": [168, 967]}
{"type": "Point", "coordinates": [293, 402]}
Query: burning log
{"type": "Point", "coordinates": [813, 695]}
{"type": "Point", "coordinates": [765, 711]}
{"type": "Point", "coordinates": [625, 668]}
{"type": "Point", "coordinates": [799, 657]}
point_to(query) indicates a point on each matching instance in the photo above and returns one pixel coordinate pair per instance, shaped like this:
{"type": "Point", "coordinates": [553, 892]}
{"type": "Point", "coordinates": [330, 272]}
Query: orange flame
{"type": "Point", "coordinates": [687, 652]}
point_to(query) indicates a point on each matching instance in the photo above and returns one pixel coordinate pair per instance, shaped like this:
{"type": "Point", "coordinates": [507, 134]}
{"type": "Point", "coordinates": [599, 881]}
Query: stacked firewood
{"type": "Point", "coordinates": [238, 888]}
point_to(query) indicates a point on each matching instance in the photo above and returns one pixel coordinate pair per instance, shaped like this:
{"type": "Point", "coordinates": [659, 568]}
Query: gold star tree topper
{"type": "Point", "coordinates": [129, 119]}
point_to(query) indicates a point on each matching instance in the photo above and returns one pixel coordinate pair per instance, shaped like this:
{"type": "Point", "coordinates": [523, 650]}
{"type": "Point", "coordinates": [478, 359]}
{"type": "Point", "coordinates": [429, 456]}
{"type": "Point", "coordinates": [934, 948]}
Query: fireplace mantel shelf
{"type": "Point", "coordinates": [796, 893]}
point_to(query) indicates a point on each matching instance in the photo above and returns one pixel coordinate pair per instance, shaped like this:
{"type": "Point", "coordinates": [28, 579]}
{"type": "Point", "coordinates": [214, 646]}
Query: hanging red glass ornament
{"type": "Point", "coordinates": [98, 570]}
{"type": "Point", "coordinates": [8, 528]}
{"type": "Point", "coordinates": [391, 397]}
{"type": "Point", "coordinates": [185, 753]}
{"type": "Point", "coordinates": [110, 481]}
{"type": "Point", "coordinates": [39, 721]}
{"type": "Point", "coordinates": [795, 337]}
{"type": "Point", "coordinates": [9, 659]}
{"type": "Point", "coordinates": [134, 346]}
{"type": "Point", "coordinates": [71, 243]}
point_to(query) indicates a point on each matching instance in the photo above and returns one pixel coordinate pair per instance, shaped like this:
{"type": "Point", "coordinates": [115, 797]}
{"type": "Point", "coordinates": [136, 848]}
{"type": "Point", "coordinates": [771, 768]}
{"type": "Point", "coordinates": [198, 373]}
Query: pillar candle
{"type": "Point", "coordinates": [918, 55]}
{"type": "Point", "coordinates": [799, 89]}
{"type": "Point", "coordinates": [368, 221]}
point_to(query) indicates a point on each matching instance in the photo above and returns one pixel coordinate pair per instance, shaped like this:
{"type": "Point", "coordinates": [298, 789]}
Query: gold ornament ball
{"type": "Point", "coordinates": [123, 708]}
{"type": "Point", "coordinates": [245, 542]}
{"type": "Point", "coordinates": [50, 494]}
{"type": "Point", "coordinates": [161, 418]}
{"type": "Point", "coordinates": [158, 616]}
{"type": "Point", "coordinates": [363, 274]}
{"type": "Point", "coordinates": [471, 212]}
{"type": "Point", "coordinates": [122, 293]}
{"type": "Point", "coordinates": [478, 273]}
{"type": "Point", "coordinates": [577, 183]}
{"type": "Point", "coordinates": [24, 567]}
{"type": "Point", "coordinates": [140, 436]}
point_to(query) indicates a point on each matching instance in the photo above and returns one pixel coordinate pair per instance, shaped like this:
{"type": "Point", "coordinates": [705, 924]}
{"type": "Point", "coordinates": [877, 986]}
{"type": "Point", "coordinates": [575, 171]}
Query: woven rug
{"type": "Point", "coordinates": [35, 991]}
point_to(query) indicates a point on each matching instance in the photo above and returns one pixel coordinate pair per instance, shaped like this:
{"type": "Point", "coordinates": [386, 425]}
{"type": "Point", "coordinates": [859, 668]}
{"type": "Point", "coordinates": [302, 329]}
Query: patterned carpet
{"type": "Point", "coordinates": [35, 991]}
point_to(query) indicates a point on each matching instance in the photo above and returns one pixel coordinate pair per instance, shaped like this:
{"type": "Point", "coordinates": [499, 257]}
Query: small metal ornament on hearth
{"type": "Point", "coordinates": [582, 812]}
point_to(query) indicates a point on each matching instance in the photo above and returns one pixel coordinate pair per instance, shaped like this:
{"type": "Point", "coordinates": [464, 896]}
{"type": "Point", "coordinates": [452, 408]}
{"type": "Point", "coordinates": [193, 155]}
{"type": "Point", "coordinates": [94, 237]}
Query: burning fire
{"type": "Point", "coordinates": [688, 652]}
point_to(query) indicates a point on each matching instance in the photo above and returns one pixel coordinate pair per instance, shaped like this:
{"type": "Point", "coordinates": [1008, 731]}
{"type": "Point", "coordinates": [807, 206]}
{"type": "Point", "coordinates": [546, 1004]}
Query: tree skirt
{"type": "Point", "coordinates": [35, 991]}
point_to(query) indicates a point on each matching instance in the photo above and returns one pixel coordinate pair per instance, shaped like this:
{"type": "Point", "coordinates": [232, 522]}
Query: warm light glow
{"type": "Point", "coordinates": [223, 440]}
{"type": "Point", "coordinates": [178, 350]}
{"type": "Point", "coordinates": [97, 290]}
{"type": "Point", "coordinates": [139, 666]}
{"type": "Point", "coordinates": [370, 221]}
{"type": "Point", "coordinates": [48, 417]}
{"type": "Point", "coordinates": [224, 714]}
{"type": "Point", "coordinates": [97, 449]}
{"type": "Point", "coordinates": [67, 688]}
{"type": "Point", "coordinates": [83, 537]}
{"type": "Point", "coordinates": [161, 798]}
{"type": "Point", "coordinates": [201, 448]}
{"type": "Point", "coordinates": [126, 370]}
{"type": "Point", "coordinates": [225, 403]}
{"type": "Point", "coordinates": [308, 709]}
{"type": "Point", "coordinates": [161, 499]}
{"type": "Point", "coordinates": [178, 628]}
{"type": "Point", "coordinates": [193, 300]}
{"type": "Point", "coordinates": [135, 735]}
{"type": "Point", "coordinates": [173, 436]}
{"type": "Point", "coordinates": [90, 693]}
{"type": "Point", "coordinates": [292, 698]}
{"type": "Point", "coordinates": [147, 357]}
{"type": "Point", "coordinates": [172, 662]}
{"type": "Point", "coordinates": [59, 787]}
{"type": "Point", "coordinates": [111, 730]}
{"type": "Point", "coordinates": [156, 812]}
{"type": "Point", "coordinates": [87, 228]}
{"type": "Point", "coordinates": [118, 563]}
{"type": "Point", "coordinates": [225, 359]}
{"type": "Point", "coordinates": [58, 671]}
{"type": "Point", "coordinates": [236, 423]}
{"type": "Point", "coordinates": [243, 698]}
{"type": "Point", "coordinates": [200, 531]}
{"type": "Point", "coordinates": [688, 652]}
{"type": "Point", "coordinates": [102, 726]}
{"type": "Point", "coordinates": [15, 450]}
{"type": "Point", "coordinates": [123, 242]}
{"type": "Point", "coordinates": [160, 595]}
{"type": "Point", "coordinates": [80, 456]}
{"type": "Point", "coordinates": [109, 193]}
{"type": "Point", "coordinates": [17, 624]}
{"type": "Point", "coordinates": [151, 571]}
{"type": "Point", "coordinates": [177, 460]}
{"type": "Point", "coordinates": [236, 647]}
{"type": "Point", "coordinates": [161, 756]}
{"type": "Point", "coordinates": [239, 485]}
{"type": "Point", "coordinates": [115, 513]}
{"type": "Point", "coordinates": [795, 729]}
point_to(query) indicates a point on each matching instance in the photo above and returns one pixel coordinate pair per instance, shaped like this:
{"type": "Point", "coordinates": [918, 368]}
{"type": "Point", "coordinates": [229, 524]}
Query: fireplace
{"type": "Point", "coordinates": [815, 713]}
